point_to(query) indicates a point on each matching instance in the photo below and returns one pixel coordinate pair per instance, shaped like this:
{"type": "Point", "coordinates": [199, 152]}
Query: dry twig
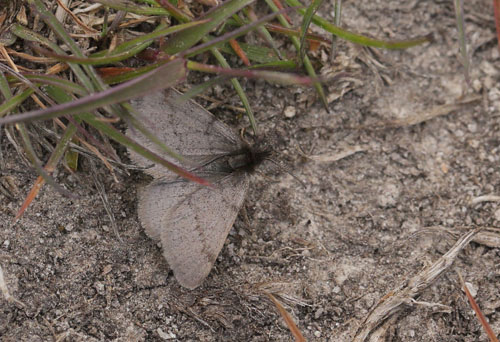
{"type": "Point", "coordinates": [403, 296]}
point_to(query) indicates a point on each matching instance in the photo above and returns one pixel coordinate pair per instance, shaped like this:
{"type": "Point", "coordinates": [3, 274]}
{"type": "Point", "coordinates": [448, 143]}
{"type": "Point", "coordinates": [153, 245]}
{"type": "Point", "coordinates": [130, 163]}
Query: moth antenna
{"type": "Point", "coordinates": [281, 168]}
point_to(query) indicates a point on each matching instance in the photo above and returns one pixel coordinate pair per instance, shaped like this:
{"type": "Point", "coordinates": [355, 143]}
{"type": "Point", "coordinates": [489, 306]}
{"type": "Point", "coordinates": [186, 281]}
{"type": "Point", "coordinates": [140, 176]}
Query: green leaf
{"type": "Point", "coordinates": [14, 102]}
{"type": "Point", "coordinates": [357, 38]}
{"type": "Point", "coordinates": [307, 62]}
{"type": "Point", "coordinates": [53, 80]}
{"type": "Point", "coordinates": [124, 51]}
{"type": "Point", "coordinates": [131, 7]}
{"type": "Point", "coordinates": [308, 15]}
{"type": "Point", "coordinates": [188, 38]}
{"type": "Point", "coordinates": [259, 54]}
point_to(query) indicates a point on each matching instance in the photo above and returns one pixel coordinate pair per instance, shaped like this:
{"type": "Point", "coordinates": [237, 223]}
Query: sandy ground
{"type": "Point", "coordinates": [393, 176]}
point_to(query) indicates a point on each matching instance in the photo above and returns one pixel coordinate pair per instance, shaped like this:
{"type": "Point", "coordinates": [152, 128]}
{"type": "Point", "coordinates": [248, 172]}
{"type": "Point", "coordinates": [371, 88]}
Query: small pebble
{"type": "Point", "coordinates": [166, 335]}
{"type": "Point", "coordinates": [472, 289]}
{"type": "Point", "coordinates": [290, 112]}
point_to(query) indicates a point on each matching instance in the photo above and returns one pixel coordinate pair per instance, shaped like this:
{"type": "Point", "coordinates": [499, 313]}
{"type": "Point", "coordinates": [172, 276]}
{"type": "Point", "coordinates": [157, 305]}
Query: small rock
{"type": "Point", "coordinates": [318, 313]}
{"type": "Point", "coordinates": [290, 112]}
{"type": "Point", "coordinates": [389, 195]}
{"type": "Point", "coordinates": [472, 127]}
{"type": "Point", "coordinates": [166, 335]}
{"type": "Point", "coordinates": [472, 289]}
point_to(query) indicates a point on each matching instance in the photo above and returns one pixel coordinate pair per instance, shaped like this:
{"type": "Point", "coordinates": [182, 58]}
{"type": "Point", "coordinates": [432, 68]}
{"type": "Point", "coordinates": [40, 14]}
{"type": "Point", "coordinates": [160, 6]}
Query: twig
{"type": "Point", "coordinates": [402, 296]}
{"type": "Point", "coordinates": [485, 198]}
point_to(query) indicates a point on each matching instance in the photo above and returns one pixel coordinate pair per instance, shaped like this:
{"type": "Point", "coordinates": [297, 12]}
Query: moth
{"type": "Point", "coordinates": [191, 220]}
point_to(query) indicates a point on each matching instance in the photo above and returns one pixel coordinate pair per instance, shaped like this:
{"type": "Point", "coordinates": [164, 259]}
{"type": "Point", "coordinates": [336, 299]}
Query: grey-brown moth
{"type": "Point", "coordinates": [191, 220]}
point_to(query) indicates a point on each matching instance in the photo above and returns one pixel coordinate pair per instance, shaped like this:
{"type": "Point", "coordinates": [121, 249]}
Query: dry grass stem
{"type": "Point", "coordinates": [485, 198]}
{"type": "Point", "coordinates": [403, 296]}
{"type": "Point", "coordinates": [434, 112]}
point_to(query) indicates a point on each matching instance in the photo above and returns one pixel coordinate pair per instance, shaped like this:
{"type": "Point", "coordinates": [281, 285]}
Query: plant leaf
{"type": "Point", "coordinates": [189, 37]}
{"type": "Point", "coordinates": [164, 76]}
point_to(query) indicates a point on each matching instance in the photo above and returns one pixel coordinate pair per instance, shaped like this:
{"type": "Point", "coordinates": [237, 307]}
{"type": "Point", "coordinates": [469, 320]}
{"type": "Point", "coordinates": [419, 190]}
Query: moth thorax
{"type": "Point", "coordinates": [240, 161]}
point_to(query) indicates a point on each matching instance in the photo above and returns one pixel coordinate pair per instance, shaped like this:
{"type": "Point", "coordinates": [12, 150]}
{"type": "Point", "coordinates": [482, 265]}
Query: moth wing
{"type": "Point", "coordinates": [185, 127]}
{"type": "Point", "coordinates": [192, 221]}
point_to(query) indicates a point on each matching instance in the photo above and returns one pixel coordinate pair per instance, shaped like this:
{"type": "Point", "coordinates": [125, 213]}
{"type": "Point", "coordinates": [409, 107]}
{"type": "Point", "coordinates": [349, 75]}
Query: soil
{"type": "Point", "coordinates": [393, 175]}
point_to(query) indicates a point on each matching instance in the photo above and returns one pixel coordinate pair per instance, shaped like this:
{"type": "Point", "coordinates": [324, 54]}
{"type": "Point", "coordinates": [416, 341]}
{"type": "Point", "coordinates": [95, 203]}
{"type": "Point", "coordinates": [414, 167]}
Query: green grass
{"type": "Point", "coordinates": [83, 96]}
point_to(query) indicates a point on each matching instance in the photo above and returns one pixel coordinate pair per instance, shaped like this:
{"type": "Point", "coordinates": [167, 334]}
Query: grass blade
{"type": "Point", "coordinates": [230, 35]}
{"type": "Point", "coordinates": [308, 15]}
{"type": "Point", "coordinates": [189, 37]}
{"type": "Point", "coordinates": [126, 141]}
{"type": "Point", "coordinates": [122, 52]}
{"type": "Point", "coordinates": [162, 77]}
{"type": "Point", "coordinates": [357, 38]}
{"type": "Point", "coordinates": [133, 8]}
{"type": "Point", "coordinates": [69, 86]}
{"type": "Point", "coordinates": [271, 76]}
{"type": "Point", "coordinates": [14, 102]}
{"type": "Point", "coordinates": [306, 61]}
{"type": "Point", "coordinates": [239, 89]}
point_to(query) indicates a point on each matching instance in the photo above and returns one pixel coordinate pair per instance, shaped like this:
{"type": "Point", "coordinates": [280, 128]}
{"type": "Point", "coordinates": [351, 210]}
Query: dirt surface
{"type": "Point", "coordinates": [388, 191]}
